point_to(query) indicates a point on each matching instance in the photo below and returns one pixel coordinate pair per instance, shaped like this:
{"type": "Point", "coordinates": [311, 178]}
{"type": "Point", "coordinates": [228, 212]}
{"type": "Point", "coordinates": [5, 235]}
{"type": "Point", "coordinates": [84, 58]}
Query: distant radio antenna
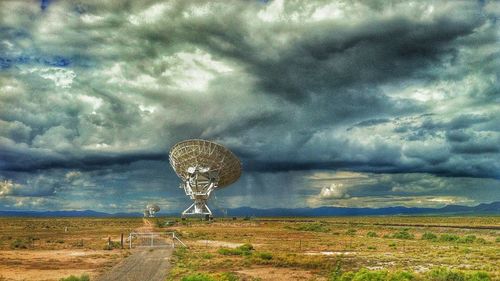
{"type": "Point", "coordinates": [203, 166]}
{"type": "Point", "coordinates": [151, 210]}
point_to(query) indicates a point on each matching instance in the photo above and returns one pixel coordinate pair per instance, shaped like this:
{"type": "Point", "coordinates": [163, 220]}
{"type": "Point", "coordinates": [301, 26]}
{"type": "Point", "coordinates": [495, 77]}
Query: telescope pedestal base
{"type": "Point", "coordinates": [199, 208]}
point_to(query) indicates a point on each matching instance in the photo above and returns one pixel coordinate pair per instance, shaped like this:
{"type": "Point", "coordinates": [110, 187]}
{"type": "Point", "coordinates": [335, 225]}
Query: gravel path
{"type": "Point", "coordinates": [145, 264]}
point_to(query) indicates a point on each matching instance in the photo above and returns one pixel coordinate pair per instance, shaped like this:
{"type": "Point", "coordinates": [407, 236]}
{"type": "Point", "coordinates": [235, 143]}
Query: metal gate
{"type": "Point", "coordinates": [153, 239]}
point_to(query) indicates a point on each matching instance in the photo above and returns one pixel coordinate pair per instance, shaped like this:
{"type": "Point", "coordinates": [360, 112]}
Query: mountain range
{"type": "Point", "coordinates": [481, 209]}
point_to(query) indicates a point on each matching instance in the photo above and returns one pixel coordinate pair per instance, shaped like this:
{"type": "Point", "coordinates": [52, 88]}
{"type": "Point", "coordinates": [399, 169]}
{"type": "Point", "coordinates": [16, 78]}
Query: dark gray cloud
{"type": "Point", "coordinates": [293, 87]}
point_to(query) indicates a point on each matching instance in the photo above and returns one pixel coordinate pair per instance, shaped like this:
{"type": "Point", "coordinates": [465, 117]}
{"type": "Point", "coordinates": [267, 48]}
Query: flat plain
{"type": "Point", "coordinates": [260, 249]}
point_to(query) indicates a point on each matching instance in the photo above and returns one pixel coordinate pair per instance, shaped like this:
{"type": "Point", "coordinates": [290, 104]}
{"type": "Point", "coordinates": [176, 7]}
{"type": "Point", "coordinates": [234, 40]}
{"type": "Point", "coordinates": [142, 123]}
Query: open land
{"type": "Point", "coordinates": [255, 249]}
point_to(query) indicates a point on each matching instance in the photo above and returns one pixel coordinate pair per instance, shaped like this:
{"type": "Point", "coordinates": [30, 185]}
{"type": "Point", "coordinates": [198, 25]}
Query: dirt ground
{"type": "Point", "coordinates": [54, 264]}
{"type": "Point", "coordinates": [47, 249]}
{"type": "Point", "coordinates": [278, 274]}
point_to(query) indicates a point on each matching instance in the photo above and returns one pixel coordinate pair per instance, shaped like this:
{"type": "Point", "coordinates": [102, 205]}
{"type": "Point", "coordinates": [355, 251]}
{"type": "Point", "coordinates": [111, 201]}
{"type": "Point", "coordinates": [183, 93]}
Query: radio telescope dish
{"type": "Point", "coordinates": [151, 210]}
{"type": "Point", "coordinates": [203, 166]}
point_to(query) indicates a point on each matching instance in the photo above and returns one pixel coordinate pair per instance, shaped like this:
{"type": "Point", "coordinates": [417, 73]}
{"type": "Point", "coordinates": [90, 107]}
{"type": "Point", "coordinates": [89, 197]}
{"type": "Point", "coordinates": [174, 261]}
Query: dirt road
{"type": "Point", "coordinates": [142, 265]}
{"type": "Point", "coordinates": [145, 264]}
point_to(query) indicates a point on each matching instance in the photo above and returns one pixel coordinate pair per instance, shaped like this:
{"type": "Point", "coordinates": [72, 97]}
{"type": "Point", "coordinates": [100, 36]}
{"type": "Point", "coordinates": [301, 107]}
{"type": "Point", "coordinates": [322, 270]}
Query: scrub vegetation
{"type": "Point", "coordinates": [340, 248]}
{"type": "Point", "coordinates": [337, 248]}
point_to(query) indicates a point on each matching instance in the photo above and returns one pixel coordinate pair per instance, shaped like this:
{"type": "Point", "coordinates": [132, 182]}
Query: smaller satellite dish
{"type": "Point", "coordinates": [151, 210]}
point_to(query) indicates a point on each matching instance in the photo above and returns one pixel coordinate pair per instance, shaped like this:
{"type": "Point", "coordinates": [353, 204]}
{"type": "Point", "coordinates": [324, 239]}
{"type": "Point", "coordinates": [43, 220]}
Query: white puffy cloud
{"type": "Point", "coordinates": [335, 191]}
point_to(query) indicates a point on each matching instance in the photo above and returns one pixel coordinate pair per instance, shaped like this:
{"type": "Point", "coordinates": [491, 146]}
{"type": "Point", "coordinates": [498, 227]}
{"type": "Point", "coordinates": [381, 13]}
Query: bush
{"type": "Point", "coordinates": [436, 274]}
{"type": "Point", "coordinates": [375, 275]}
{"type": "Point", "coordinates": [112, 245]}
{"type": "Point", "coordinates": [467, 239]}
{"type": "Point", "coordinates": [198, 277]}
{"type": "Point", "coordinates": [429, 236]}
{"type": "Point", "coordinates": [371, 234]}
{"type": "Point", "coordinates": [445, 274]}
{"type": "Point", "coordinates": [84, 277]}
{"type": "Point", "coordinates": [227, 276]}
{"type": "Point", "coordinates": [243, 250]}
{"type": "Point", "coordinates": [403, 234]}
{"type": "Point", "coordinates": [351, 232]}
{"type": "Point", "coordinates": [207, 256]}
{"type": "Point", "coordinates": [315, 227]}
{"type": "Point", "coordinates": [481, 241]}
{"type": "Point", "coordinates": [449, 238]}
{"type": "Point", "coordinates": [19, 244]}
{"type": "Point", "coordinates": [497, 240]}
{"type": "Point", "coordinates": [265, 256]}
{"type": "Point", "coordinates": [246, 247]}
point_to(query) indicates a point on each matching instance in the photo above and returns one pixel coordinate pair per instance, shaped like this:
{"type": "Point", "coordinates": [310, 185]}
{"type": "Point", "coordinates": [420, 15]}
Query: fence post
{"type": "Point", "coordinates": [121, 241]}
{"type": "Point", "coordinates": [130, 240]}
{"type": "Point", "coordinates": [173, 240]}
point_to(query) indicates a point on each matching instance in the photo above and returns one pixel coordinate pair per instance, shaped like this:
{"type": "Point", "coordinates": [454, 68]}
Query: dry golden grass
{"type": "Point", "coordinates": [53, 248]}
{"type": "Point", "coordinates": [305, 248]}
{"type": "Point", "coordinates": [317, 246]}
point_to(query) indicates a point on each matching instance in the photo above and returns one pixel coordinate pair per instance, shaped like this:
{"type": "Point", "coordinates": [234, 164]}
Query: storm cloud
{"type": "Point", "coordinates": [406, 94]}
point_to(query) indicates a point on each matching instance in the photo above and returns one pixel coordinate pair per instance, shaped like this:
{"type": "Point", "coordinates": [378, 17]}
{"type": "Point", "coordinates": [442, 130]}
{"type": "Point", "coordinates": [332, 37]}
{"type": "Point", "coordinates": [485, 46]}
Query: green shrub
{"type": "Point", "coordinates": [477, 276]}
{"type": "Point", "coordinates": [436, 274]}
{"type": "Point", "coordinates": [198, 277]}
{"type": "Point", "coordinates": [243, 250]}
{"type": "Point", "coordinates": [246, 247]}
{"type": "Point", "coordinates": [449, 238]}
{"type": "Point", "coordinates": [497, 240]}
{"type": "Point", "coordinates": [372, 248]}
{"type": "Point", "coordinates": [467, 239]}
{"type": "Point", "coordinates": [481, 241]}
{"type": "Point", "coordinates": [429, 236]}
{"type": "Point", "coordinates": [19, 244]}
{"type": "Point", "coordinates": [403, 234]}
{"type": "Point", "coordinates": [112, 245]}
{"type": "Point", "coordinates": [84, 277]}
{"type": "Point", "coordinates": [315, 227]}
{"type": "Point", "coordinates": [227, 276]}
{"type": "Point", "coordinates": [207, 256]}
{"type": "Point", "coordinates": [372, 234]}
{"type": "Point", "coordinates": [445, 274]}
{"type": "Point", "coordinates": [351, 232]}
{"type": "Point", "coordinates": [265, 256]}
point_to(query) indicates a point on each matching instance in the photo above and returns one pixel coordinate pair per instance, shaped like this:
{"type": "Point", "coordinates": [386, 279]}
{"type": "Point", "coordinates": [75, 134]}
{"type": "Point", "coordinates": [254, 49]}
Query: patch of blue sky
{"type": "Point", "coordinates": [55, 61]}
{"type": "Point", "coordinates": [44, 4]}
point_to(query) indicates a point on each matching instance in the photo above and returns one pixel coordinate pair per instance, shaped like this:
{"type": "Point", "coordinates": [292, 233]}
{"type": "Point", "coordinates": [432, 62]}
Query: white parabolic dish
{"type": "Point", "coordinates": [203, 166]}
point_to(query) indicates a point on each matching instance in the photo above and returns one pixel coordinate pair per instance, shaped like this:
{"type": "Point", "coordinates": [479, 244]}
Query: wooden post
{"type": "Point", "coordinates": [130, 240]}
{"type": "Point", "coordinates": [121, 241]}
{"type": "Point", "coordinates": [109, 241]}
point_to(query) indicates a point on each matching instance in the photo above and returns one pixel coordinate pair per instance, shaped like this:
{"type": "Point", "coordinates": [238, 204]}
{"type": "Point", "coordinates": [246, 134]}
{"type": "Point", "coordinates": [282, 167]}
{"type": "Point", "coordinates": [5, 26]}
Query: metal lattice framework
{"type": "Point", "coordinates": [203, 167]}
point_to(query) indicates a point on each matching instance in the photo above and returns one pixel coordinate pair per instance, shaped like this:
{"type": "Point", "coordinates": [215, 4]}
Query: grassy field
{"type": "Point", "coordinates": [53, 248]}
{"type": "Point", "coordinates": [329, 248]}
{"type": "Point", "coordinates": [339, 248]}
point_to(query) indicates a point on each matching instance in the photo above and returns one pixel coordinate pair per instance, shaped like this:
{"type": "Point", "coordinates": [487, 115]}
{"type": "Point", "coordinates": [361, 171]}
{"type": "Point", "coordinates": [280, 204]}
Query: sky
{"type": "Point", "coordinates": [326, 103]}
